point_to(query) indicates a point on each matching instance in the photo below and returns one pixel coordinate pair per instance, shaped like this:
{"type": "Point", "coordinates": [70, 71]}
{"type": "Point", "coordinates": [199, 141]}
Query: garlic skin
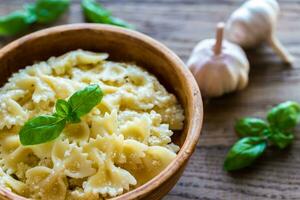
{"type": "Point", "coordinates": [255, 22]}
{"type": "Point", "coordinates": [219, 67]}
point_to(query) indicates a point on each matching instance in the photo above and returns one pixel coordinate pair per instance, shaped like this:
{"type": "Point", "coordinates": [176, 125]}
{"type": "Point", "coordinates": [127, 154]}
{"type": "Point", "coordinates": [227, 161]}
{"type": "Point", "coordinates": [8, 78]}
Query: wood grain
{"type": "Point", "coordinates": [180, 24]}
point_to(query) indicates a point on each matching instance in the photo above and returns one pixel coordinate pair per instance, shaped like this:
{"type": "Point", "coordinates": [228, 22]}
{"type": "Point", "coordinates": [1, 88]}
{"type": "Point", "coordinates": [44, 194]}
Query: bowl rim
{"type": "Point", "coordinates": [195, 100]}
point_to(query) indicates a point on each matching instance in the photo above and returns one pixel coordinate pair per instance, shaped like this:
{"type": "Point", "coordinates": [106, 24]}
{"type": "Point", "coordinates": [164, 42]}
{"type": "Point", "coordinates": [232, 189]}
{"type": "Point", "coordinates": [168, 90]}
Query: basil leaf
{"type": "Point", "coordinates": [73, 118]}
{"type": "Point", "coordinates": [63, 109]}
{"type": "Point", "coordinates": [41, 129]}
{"type": "Point", "coordinates": [281, 139]}
{"type": "Point", "coordinates": [48, 127]}
{"type": "Point", "coordinates": [95, 12]}
{"type": "Point", "coordinates": [47, 11]}
{"type": "Point", "coordinates": [251, 127]}
{"type": "Point", "coordinates": [244, 153]}
{"type": "Point", "coordinates": [284, 116]}
{"type": "Point", "coordinates": [15, 22]}
{"type": "Point", "coordinates": [119, 22]}
{"type": "Point", "coordinates": [84, 100]}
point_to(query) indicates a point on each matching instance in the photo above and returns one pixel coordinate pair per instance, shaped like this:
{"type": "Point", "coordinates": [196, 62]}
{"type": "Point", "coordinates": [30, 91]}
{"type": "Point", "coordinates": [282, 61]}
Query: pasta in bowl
{"type": "Point", "coordinates": [122, 143]}
{"type": "Point", "coordinates": [120, 146]}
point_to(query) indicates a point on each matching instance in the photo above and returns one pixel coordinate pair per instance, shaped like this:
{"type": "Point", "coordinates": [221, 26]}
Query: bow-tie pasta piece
{"type": "Point", "coordinates": [9, 142]}
{"type": "Point", "coordinates": [129, 101]}
{"type": "Point", "coordinates": [109, 179]}
{"type": "Point", "coordinates": [42, 92]}
{"type": "Point", "coordinates": [79, 132]}
{"type": "Point", "coordinates": [20, 155]}
{"type": "Point", "coordinates": [173, 147]}
{"type": "Point", "coordinates": [11, 112]}
{"type": "Point", "coordinates": [58, 153]}
{"type": "Point", "coordinates": [146, 128]}
{"type": "Point", "coordinates": [88, 77]}
{"type": "Point", "coordinates": [156, 160]}
{"type": "Point", "coordinates": [34, 177]}
{"type": "Point", "coordinates": [107, 105]}
{"type": "Point", "coordinates": [108, 89]}
{"type": "Point", "coordinates": [38, 69]}
{"type": "Point", "coordinates": [89, 58]}
{"type": "Point", "coordinates": [62, 87]}
{"type": "Point", "coordinates": [134, 98]}
{"type": "Point", "coordinates": [172, 115]}
{"type": "Point", "coordinates": [138, 77]}
{"type": "Point", "coordinates": [138, 129]}
{"type": "Point", "coordinates": [46, 184]}
{"type": "Point", "coordinates": [39, 89]}
{"type": "Point", "coordinates": [10, 150]}
{"type": "Point", "coordinates": [128, 115]}
{"type": "Point", "coordinates": [8, 181]}
{"type": "Point", "coordinates": [106, 125]}
{"type": "Point", "coordinates": [63, 65]}
{"type": "Point", "coordinates": [110, 145]}
{"type": "Point", "coordinates": [113, 74]}
{"type": "Point", "coordinates": [160, 136]}
{"type": "Point", "coordinates": [77, 164]}
{"type": "Point", "coordinates": [42, 151]}
{"type": "Point", "coordinates": [71, 159]}
{"type": "Point", "coordinates": [133, 152]}
{"type": "Point", "coordinates": [113, 100]}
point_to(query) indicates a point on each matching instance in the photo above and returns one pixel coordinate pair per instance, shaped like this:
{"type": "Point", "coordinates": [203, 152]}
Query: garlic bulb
{"type": "Point", "coordinates": [255, 22]}
{"type": "Point", "coordinates": [219, 66]}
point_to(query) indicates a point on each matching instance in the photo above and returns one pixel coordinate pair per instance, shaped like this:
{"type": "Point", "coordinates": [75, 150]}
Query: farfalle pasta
{"type": "Point", "coordinates": [120, 144]}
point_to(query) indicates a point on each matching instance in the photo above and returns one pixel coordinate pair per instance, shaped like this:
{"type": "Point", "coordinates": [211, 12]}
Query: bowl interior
{"type": "Point", "coordinates": [122, 45]}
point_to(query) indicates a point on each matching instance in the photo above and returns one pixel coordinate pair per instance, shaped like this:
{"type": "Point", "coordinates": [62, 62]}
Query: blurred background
{"type": "Point", "coordinates": [180, 24]}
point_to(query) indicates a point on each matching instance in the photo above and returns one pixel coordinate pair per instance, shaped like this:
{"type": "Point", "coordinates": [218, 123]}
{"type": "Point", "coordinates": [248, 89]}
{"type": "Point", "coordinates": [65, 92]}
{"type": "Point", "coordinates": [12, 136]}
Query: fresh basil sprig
{"type": "Point", "coordinates": [42, 11]}
{"type": "Point", "coordinates": [47, 11]}
{"type": "Point", "coordinates": [15, 22]}
{"type": "Point", "coordinates": [41, 129]}
{"type": "Point", "coordinates": [244, 153]}
{"type": "Point", "coordinates": [95, 12]}
{"type": "Point", "coordinates": [251, 127]}
{"type": "Point", "coordinates": [257, 133]}
{"type": "Point", "coordinates": [284, 116]}
{"type": "Point", "coordinates": [45, 128]}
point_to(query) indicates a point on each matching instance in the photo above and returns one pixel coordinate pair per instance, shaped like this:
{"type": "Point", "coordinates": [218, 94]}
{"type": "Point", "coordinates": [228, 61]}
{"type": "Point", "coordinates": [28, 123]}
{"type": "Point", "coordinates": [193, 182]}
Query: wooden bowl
{"type": "Point", "coordinates": [122, 45]}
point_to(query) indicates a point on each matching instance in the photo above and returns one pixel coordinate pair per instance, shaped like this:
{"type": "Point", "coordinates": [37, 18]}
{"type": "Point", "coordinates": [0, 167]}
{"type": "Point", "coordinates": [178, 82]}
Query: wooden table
{"type": "Point", "coordinates": [180, 24]}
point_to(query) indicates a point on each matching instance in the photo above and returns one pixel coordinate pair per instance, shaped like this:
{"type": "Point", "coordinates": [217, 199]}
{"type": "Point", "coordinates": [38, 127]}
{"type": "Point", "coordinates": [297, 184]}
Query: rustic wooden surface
{"type": "Point", "coordinates": [180, 24]}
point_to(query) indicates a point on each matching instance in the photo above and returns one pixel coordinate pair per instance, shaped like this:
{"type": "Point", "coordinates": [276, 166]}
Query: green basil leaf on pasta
{"type": "Point", "coordinates": [41, 129]}
{"type": "Point", "coordinates": [73, 118]}
{"type": "Point", "coordinates": [95, 12]}
{"type": "Point", "coordinates": [83, 101]}
{"type": "Point", "coordinates": [15, 22]}
{"type": "Point", "coordinates": [45, 128]}
{"type": "Point", "coordinates": [244, 153]}
{"type": "Point", "coordinates": [284, 116]}
{"type": "Point", "coordinates": [281, 139]}
{"type": "Point", "coordinates": [47, 11]}
{"type": "Point", "coordinates": [251, 127]}
{"type": "Point", "coordinates": [63, 108]}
